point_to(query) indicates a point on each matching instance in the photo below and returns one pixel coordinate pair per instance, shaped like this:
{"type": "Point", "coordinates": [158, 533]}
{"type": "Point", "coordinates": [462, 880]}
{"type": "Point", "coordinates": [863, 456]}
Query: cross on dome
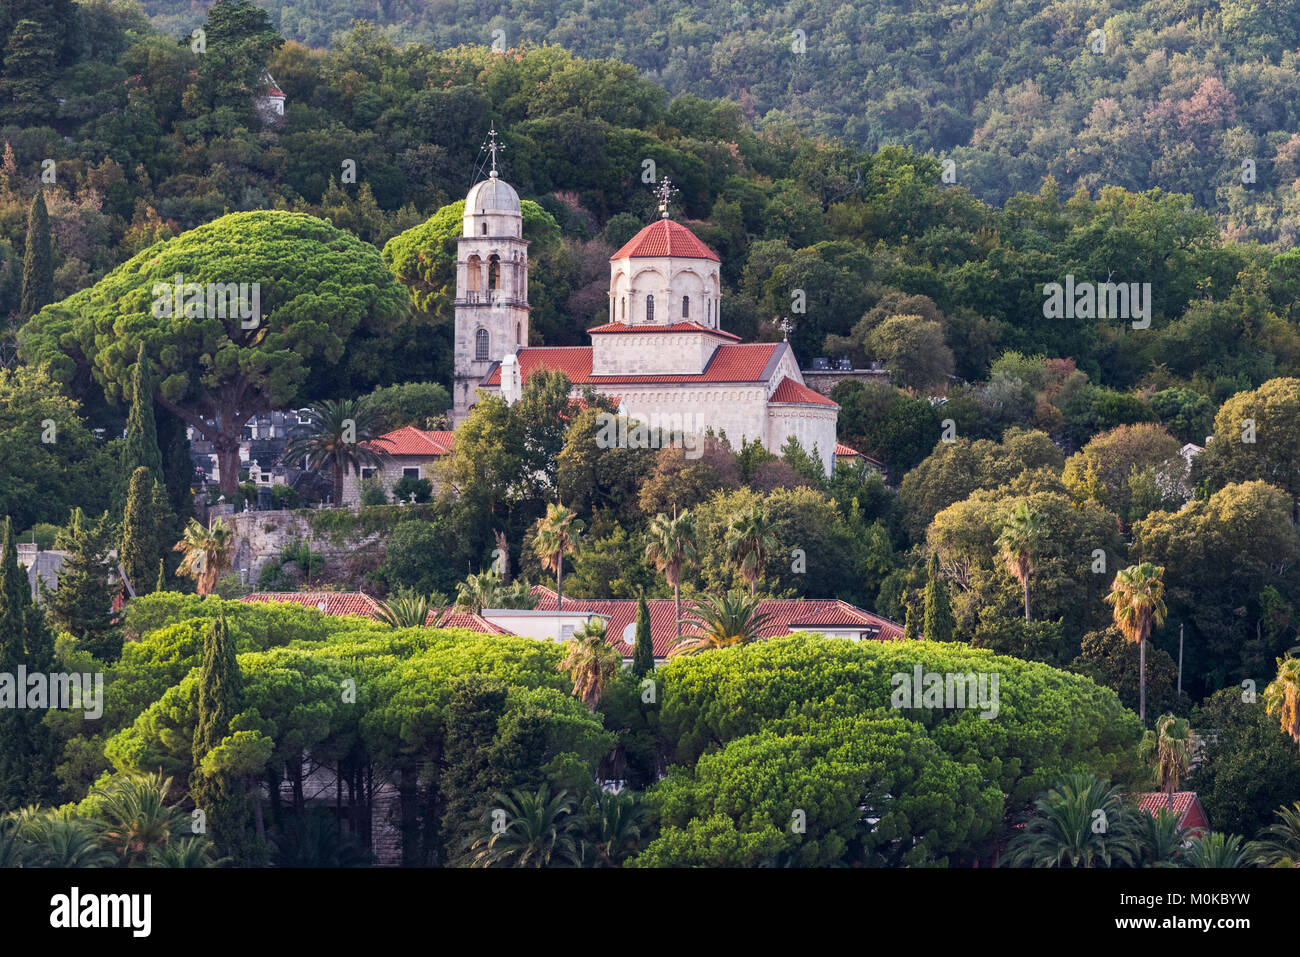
{"type": "Point", "coordinates": [665, 191]}
{"type": "Point", "coordinates": [493, 147]}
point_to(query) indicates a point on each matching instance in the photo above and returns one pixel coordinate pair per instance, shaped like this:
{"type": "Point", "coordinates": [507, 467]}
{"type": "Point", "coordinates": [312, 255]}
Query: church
{"type": "Point", "coordinates": [662, 351]}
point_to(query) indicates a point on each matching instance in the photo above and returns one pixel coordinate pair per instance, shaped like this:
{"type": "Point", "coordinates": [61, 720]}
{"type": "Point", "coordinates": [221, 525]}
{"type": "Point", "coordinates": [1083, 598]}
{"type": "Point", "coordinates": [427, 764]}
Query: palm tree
{"type": "Point", "coordinates": [207, 553]}
{"type": "Point", "coordinates": [1137, 598]}
{"type": "Point", "coordinates": [486, 590]}
{"type": "Point", "coordinates": [1168, 749]}
{"type": "Point", "coordinates": [672, 543]}
{"type": "Point", "coordinates": [1081, 822]}
{"type": "Point", "coordinates": [341, 435]}
{"type": "Point", "coordinates": [1161, 836]}
{"type": "Point", "coordinates": [558, 534]}
{"type": "Point", "coordinates": [591, 662]}
{"type": "Point", "coordinates": [408, 610]}
{"type": "Point", "coordinates": [1022, 530]}
{"type": "Point", "coordinates": [730, 619]}
{"type": "Point", "coordinates": [56, 838]}
{"type": "Point", "coordinates": [1280, 846]}
{"type": "Point", "coordinates": [1218, 850]}
{"type": "Point", "coordinates": [751, 537]}
{"type": "Point", "coordinates": [618, 826]}
{"type": "Point", "coordinates": [1282, 696]}
{"type": "Point", "coordinates": [134, 816]}
{"type": "Point", "coordinates": [186, 852]}
{"type": "Point", "coordinates": [536, 830]}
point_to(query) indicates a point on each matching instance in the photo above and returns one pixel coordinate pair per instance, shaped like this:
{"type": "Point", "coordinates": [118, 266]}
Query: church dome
{"type": "Point", "coordinates": [662, 238]}
{"type": "Point", "coordinates": [492, 195]}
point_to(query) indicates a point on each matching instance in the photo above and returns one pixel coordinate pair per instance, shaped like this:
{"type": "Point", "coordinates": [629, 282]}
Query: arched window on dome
{"type": "Point", "coordinates": [494, 272]}
{"type": "Point", "coordinates": [686, 307]}
{"type": "Point", "coordinates": [481, 345]}
{"type": "Point", "coordinates": [649, 308]}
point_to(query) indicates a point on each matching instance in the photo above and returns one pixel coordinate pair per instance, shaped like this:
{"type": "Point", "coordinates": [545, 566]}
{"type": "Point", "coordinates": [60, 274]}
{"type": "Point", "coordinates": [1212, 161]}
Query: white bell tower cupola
{"type": "Point", "coordinates": [491, 284]}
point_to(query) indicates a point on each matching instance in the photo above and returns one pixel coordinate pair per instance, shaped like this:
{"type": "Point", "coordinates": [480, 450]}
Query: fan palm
{"type": "Point", "coordinates": [341, 435]}
{"type": "Point", "coordinates": [1168, 750]}
{"type": "Point", "coordinates": [1081, 822]}
{"type": "Point", "coordinates": [591, 662]}
{"type": "Point", "coordinates": [537, 829]}
{"type": "Point", "coordinates": [750, 538]}
{"type": "Point", "coordinates": [207, 553]}
{"type": "Point", "coordinates": [558, 534]}
{"type": "Point", "coordinates": [1282, 696]}
{"type": "Point", "coordinates": [730, 619]}
{"type": "Point", "coordinates": [671, 544]}
{"type": "Point", "coordinates": [486, 590]}
{"type": "Point", "coordinates": [1022, 532]}
{"type": "Point", "coordinates": [1137, 599]}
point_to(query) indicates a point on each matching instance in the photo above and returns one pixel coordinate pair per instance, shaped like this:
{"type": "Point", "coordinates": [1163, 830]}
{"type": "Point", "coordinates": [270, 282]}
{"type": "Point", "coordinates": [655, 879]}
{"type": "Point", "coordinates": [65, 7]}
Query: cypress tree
{"type": "Point", "coordinates": [141, 549]}
{"type": "Point", "coordinates": [643, 656]}
{"type": "Point", "coordinates": [909, 624]}
{"type": "Point", "coordinates": [938, 624]}
{"type": "Point", "coordinates": [141, 446]}
{"type": "Point", "coordinates": [15, 598]}
{"type": "Point", "coordinates": [221, 796]}
{"type": "Point", "coordinates": [162, 578]}
{"type": "Point", "coordinates": [38, 261]}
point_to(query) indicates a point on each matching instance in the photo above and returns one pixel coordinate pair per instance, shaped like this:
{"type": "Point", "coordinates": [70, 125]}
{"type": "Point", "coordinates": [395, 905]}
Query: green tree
{"type": "Point", "coordinates": [671, 544]}
{"type": "Point", "coordinates": [722, 622]}
{"type": "Point", "coordinates": [939, 622]}
{"type": "Point", "coordinates": [1282, 696]}
{"type": "Point", "coordinates": [558, 533]}
{"type": "Point", "coordinates": [540, 830]}
{"type": "Point", "coordinates": [82, 604]}
{"type": "Point", "coordinates": [340, 436]}
{"type": "Point", "coordinates": [750, 539]}
{"type": "Point", "coordinates": [141, 545]}
{"type": "Point", "coordinates": [323, 304]}
{"type": "Point", "coordinates": [38, 260]}
{"type": "Point", "coordinates": [643, 656]}
{"type": "Point", "coordinates": [1064, 831]}
{"type": "Point", "coordinates": [1138, 603]}
{"type": "Point", "coordinates": [590, 661]}
{"type": "Point", "coordinates": [1167, 750]}
{"type": "Point", "coordinates": [207, 553]}
{"type": "Point", "coordinates": [1022, 532]}
{"type": "Point", "coordinates": [140, 449]}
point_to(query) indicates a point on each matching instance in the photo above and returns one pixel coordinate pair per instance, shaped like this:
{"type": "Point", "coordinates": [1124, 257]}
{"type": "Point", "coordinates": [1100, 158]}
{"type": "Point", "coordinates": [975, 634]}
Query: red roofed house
{"type": "Point", "coordinates": [410, 452]}
{"type": "Point", "coordinates": [830, 617]}
{"type": "Point", "coordinates": [1186, 805]}
{"type": "Point", "coordinates": [326, 602]}
{"type": "Point", "coordinates": [662, 351]}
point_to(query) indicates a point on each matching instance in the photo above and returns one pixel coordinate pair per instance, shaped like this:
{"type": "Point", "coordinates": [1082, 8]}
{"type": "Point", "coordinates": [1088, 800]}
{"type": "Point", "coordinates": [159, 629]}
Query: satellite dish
{"type": "Point", "coordinates": [629, 633]}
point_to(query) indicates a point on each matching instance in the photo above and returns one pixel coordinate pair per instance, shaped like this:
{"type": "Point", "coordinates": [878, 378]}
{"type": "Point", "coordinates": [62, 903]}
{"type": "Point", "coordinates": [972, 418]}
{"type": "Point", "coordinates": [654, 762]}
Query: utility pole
{"type": "Point", "coordinates": [1180, 657]}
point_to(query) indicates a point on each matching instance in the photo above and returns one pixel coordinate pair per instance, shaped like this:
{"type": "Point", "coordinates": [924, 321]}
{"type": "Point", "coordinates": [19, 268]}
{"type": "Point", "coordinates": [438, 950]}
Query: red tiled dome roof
{"type": "Point", "coordinates": [663, 237]}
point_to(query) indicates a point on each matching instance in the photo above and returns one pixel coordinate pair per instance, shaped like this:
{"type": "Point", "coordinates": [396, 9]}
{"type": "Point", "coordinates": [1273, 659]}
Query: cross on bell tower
{"type": "Point", "coordinates": [665, 191]}
{"type": "Point", "coordinates": [493, 147]}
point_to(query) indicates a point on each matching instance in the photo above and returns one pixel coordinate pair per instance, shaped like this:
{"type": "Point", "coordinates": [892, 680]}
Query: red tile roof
{"type": "Point", "coordinates": [787, 390]}
{"type": "Point", "coordinates": [457, 618]}
{"type": "Point", "coordinates": [663, 237]}
{"type": "Point", "coordinates": [642, 327]}
{"type": "Point", "coordinates": [409, 440]}
{"type": "Point", "coordinates": [334, 602]}
{"type": "Point", "coordinates": [732, 362]}
{"type": "Point", "coordinates": [1186, 805]}
{"type": "Point", "coordinates": [844, 452]}
{"type": "Point", "coordinates": [786, 615]}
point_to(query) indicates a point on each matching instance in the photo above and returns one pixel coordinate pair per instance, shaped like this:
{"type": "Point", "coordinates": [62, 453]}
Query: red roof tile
{"type": "Point", "coordinates": [409, 440]}
{"type": "Point", "coordinates": [327, 602]}
{"type": "Point", "coordinates": [732, 362]}
{"type": "Point", "coordinates": [787, 390]}
{"type": "Point", "coordinates": [844, 452]}
{"type": "Point", "coordinates": [1188, 807]}
{"type": "Point", "coordinates": [663, 237]}
{"type": "Point", "coordinates": [458, 618]}
{"type": "Point", "coordinates": [642, 327]}
{"type": "Point", "coordinates": [786, 615]}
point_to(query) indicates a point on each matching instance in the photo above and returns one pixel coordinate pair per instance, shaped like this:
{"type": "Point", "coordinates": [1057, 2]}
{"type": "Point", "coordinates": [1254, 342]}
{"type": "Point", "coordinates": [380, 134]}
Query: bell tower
{"type": "Point", "coordinates": [491, 284]}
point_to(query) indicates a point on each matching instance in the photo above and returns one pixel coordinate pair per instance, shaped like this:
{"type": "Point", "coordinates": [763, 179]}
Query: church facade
{"type": "Point", "coordinates": [662, 351]}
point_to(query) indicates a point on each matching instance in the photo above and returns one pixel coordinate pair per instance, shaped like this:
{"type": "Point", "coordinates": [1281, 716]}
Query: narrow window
{"type": "Point", "coordinates": [482, 230]}
{"type": "Point", "coordinates": [686, 307]}
{"type": "Point", "coordinates": [519, 333]}
{"type": "Point", "coordinates": [481, 345]}
{"type": "Point", "coordinates": [494, 272]}
{"type": "Point", "coordinates": [649, 308]}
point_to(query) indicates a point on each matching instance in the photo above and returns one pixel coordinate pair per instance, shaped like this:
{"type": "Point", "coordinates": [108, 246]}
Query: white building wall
{"type": "Point", "coordinates": [389, 474]}
{"type": "Point", "coordinates": [813, 427]}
